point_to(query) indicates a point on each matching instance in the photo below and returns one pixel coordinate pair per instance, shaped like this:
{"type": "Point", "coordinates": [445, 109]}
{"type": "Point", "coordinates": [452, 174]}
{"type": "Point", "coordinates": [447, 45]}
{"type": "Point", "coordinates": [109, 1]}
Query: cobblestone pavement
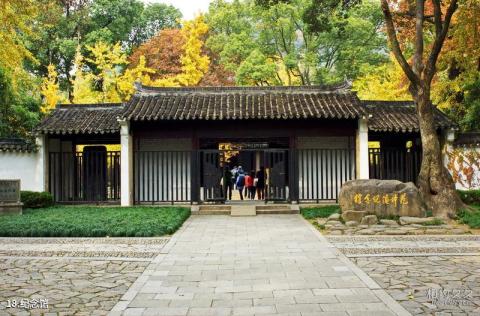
{"type": "Point", "coordinates": [259, 265]}
{"type": "Point", "coordinates": [423, 244]}
{"type": "Point", "coordinates": [412, 282]}
{"type": "Point", "coordinates": [77, 276]}
{"type": "Point", "coordinates": [82, 247]}
{"type": "Point", "coordinates": [423, 282]}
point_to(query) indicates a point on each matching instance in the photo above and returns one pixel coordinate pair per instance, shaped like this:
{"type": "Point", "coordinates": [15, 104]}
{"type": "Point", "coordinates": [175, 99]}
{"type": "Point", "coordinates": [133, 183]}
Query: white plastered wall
{"type": "Point", "coordinates": [28, 167]}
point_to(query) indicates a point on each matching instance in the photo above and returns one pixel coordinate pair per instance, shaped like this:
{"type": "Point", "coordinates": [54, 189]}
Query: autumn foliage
{"type": "Point", "coordinates": [162, 53]}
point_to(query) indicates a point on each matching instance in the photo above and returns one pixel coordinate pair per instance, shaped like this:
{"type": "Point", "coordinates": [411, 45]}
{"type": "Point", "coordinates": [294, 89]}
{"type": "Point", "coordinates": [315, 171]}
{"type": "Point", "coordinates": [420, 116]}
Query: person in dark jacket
{"type": "Point", "coordinates": [260, 183]}
{"type": "Point", "coordinates": [227, 184]}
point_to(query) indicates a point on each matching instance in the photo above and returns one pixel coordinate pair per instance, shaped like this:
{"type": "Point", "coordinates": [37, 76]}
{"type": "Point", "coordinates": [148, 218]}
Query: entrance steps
{"type": "Point", "coordinates": [245, 209]}
{"type": "Point", "coordinates": [278, 209]}
{"type": "Point", "coordinates": [212, 209]}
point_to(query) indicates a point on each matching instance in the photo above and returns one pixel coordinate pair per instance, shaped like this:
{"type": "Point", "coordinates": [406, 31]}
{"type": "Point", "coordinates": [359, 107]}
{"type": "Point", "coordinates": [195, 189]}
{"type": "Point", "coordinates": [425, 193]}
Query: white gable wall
{"type": "Point", "coordinates": [24, 166]}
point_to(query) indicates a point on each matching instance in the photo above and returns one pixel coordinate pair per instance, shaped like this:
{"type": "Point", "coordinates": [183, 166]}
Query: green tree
{"type": "Point", "coordinates": [471, 120]}
{"type": "Point", "coordinates": [59, 26]}
{"type": "Point", "coordinates": [113, 20]}
{"type": "Point", "coordinates": [256, 70]}
{"type": "Point", "coordinates": [353, 43]}
{"type": "Point", "coordinates": [19, 109]}
{"type": "Point", "coordinates": [6, 98]}
{"type": "Point", "coordinates": [302, 55]}
{"type": "Point", "coordinates": [154, 18]}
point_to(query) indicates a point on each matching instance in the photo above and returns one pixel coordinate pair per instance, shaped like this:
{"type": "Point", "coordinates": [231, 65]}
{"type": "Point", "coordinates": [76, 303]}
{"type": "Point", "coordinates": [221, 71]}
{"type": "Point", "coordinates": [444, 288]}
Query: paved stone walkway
{"type": "Point", "coordinates": [262, 265]}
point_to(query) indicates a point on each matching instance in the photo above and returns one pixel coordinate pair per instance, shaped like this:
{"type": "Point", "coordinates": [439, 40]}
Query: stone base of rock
{"type": "Point", "coordinates": [353, 216]}
{"type": "Point", "coordinates": [11, 208]}
{"type": "Point", "coordinates": [370, 225]}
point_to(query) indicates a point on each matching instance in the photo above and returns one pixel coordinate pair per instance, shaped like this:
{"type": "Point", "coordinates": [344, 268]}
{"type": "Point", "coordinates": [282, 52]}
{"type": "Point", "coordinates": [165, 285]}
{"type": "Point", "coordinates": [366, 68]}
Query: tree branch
{"type": "Point", "coordinates": [392, 36]}
{"type": "Point", "coordinates": [418, 56]}
{"type": "Point", "coordinates": [439, 40]}
{"type": "Point", "coordinates": [437, 10]}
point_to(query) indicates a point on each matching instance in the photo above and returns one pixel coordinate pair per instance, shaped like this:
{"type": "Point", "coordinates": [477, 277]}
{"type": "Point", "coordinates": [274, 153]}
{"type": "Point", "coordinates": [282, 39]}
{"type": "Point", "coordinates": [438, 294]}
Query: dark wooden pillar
{"type": "Point", "coordinates": [293, 169]}
{"type": "Point", "coordinates": [195, 171]}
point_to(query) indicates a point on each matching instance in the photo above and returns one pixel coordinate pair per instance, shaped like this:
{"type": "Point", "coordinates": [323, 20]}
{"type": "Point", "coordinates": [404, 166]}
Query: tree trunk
{"type": "Point", "coordinates": [434, 181]}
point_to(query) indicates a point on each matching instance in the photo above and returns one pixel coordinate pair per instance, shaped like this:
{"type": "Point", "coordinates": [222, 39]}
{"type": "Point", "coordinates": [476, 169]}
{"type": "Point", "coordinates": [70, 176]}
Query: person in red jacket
{"type": "Point", "coordinates": [250, 185]}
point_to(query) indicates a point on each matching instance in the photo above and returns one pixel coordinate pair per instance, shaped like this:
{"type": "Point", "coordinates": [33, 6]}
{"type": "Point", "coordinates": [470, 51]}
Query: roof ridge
{"type": "Point", "coordinates": [89, 105]}
{"type": "Point", "coordinates": [388, 103]}
{"type": "Point", "coordinates": [338, 88]}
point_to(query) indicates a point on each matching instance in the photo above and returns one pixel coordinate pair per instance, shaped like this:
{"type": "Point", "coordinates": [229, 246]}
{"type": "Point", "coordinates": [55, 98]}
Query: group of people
{"type": "Point", "coordinates": [249, 184]}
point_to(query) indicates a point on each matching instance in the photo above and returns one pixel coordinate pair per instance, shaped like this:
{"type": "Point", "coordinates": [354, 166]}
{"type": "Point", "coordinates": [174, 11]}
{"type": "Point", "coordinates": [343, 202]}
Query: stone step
{"type": "Point", "coordinates": [214, 210]}
{"type": "Point", "coordinates": [214, 207]}
{"type": "Point", "coordinates": [243, 210]}
{"type": "Point", "coordinates": [278, 209]}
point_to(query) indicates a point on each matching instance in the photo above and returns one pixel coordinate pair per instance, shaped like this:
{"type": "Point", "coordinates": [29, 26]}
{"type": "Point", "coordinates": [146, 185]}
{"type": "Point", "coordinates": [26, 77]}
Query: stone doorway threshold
{"type": "Point", "coordinates": [245, 209]}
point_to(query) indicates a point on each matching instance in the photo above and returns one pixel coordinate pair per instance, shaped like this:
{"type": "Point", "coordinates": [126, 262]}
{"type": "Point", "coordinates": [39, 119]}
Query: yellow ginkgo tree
{"type": "Point", "coordinates": [50, 90]}
{"type": "Point", "coordinates": [82, 82]}
{"type": "Point", "coordinates": [140, 73]}
{"type": "Point", "coordinates": [110, 61]}
{"type": "Point", "coordinates": [385, 82]}
{"type": "Point", "coordinates": [15, 22]}
{"type": "Point", "coordinates": [112, 83]}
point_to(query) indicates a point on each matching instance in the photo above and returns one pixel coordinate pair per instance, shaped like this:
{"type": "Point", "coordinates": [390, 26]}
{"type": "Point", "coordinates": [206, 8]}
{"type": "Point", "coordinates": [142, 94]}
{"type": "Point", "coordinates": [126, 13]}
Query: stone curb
{"type": "Point", "coordinates": [89, 240]}
{"type": "Point", "coordinates": [347, 238]}
{"type": "Point", "coordinates": [396, 308]}
{"type": "Point", "coordinates": [451, 254]}
{"type": "Point", "coordinates": [80, 258]}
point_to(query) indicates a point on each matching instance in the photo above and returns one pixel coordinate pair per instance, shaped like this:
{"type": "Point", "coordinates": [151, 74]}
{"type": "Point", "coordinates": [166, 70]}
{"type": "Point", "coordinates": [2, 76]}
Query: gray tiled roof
{"type": "Point", "coordinates": [82, 119]}
{"type": "Point", "coordinates": [16, 145]}
{"type": "Point", "coordinates": [399, 116]}
{"type": "Point", "coordinates": [236, 103]}
{"type": "Point", "coordinates": [243, 103]}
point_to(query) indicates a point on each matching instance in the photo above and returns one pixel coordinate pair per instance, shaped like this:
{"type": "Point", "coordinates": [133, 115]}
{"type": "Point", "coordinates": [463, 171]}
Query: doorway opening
{"type": "Point", "coordinates": [244, 170]}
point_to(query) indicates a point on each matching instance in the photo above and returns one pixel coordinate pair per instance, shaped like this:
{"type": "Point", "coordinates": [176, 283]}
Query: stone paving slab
{"type": "Point", "coordinates": [263, 265]}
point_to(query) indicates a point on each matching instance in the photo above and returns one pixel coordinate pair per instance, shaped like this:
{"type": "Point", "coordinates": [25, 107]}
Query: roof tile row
{"type": "Point", "coordinates": [236, 103]}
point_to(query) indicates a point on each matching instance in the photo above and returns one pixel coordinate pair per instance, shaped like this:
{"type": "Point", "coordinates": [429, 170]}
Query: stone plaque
{"type": "Point", "coordinates": [10, 197]}
{"type": "Point", "coordinates": [9, 191]}
{"type": "Point", "coordinates": [381, 198]}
